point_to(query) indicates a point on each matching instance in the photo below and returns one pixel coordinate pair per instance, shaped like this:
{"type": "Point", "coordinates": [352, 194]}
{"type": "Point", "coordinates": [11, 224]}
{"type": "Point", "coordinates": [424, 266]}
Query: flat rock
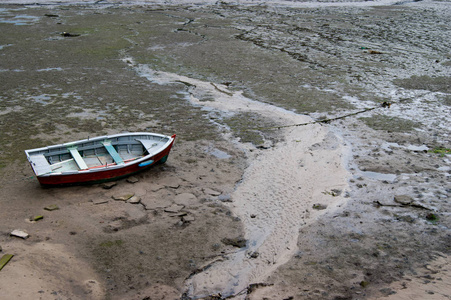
{"type": "Point", "coordinates": [109, 185]}
{"type": "Point", "coordinates": [403, 199]}
{"type": "Point", "coordinates": [139, 191]}
{"type": "Point", "coordinates": [175, 208]}
{"type": "Point", "coordinates": [19, 233]}
{"type": "Point", "coordinates": [154, 203]}
{"type": "Point", "coordinates": [156, 187]}
{"type": "Point", "coordinates": [211, 192]}
{"type": "Point", "coordinates": [99, 201]}
{"type": "Point", "coordinates": [186, 199]}
{"type": "Point", "coordinates": [136, 214]}
{"type": "Point", "coordinates": [123, 197]}
{"type": "Point", "coordinates": [179, 214]}
{"type": "Point", "coordinates": [134, 200]}
{"type": "Point", "coordinates": [51, 207]}
{"type": "Point", "coordinates": [132, 179]}
{"type": "Point", "coordinates": [188, 218]}
{"type": "Point", "coordinates": [171, 182]}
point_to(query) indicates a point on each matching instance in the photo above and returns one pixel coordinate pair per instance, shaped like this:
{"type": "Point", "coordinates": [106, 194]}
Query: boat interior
{"type": "Point", "coordinates": [95, 153]}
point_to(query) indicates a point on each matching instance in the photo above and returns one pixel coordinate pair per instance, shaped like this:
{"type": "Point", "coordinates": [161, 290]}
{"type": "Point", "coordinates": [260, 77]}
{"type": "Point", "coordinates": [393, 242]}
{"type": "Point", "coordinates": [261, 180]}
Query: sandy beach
{"type": "Point", "coordinates": [312, 158]}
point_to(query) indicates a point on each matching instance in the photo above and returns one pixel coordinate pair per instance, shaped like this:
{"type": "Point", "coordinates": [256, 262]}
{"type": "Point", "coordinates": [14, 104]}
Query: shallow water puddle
{"type": "Point", "coordinates": [379, 176]}
{"type": "Point", "coordinates": [217, 153]}
{"type": "Point", "coordinates": [278, 189]}
{"type": "Point", "coordinates": [9, 16]}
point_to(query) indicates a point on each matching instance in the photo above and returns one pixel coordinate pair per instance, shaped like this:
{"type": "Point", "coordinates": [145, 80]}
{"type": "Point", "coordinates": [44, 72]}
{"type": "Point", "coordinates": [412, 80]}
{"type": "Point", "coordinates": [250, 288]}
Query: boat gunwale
{"type": "Point", "coordinates": [73, 143]}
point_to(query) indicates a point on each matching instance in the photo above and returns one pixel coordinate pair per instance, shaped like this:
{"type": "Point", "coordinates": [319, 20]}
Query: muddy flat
{"type": "Point", "coordinates": [312, 158]}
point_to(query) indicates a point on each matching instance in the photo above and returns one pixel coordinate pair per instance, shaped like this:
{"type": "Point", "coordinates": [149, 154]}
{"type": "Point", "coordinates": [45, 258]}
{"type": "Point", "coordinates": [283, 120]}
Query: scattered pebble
{"type": "Point", "coordinates": [319, 206]}
{"type": "Point", "coordinates": [336, 192]}
{"type": "Point", "coordinates": [99, 201]}
{"type": "Point", "coordinates": [51, 207]}
{"type": "Point", "coordinates": [67, 34]}
{"type": "Point", "coordinates": [36, 218]}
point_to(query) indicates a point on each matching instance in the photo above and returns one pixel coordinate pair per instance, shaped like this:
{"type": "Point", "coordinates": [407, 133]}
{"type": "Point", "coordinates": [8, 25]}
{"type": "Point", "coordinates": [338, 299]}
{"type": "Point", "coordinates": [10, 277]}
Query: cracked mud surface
{"type": "Point", "coordinates": [180, 69]}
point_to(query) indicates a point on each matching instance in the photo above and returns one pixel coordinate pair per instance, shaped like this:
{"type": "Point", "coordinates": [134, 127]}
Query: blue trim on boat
{"type": "Point", "coordinates": [146, 163]}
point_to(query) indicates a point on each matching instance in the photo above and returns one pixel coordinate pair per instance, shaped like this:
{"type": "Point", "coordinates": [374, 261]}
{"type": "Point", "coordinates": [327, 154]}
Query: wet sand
{"type": "Point", "coordinates": [261, 197]}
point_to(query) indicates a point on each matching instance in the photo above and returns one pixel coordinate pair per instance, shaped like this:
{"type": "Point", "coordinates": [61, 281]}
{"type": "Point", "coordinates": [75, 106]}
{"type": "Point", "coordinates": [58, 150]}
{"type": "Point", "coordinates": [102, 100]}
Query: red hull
{"type": "Point", "coordinates": [105, 174]}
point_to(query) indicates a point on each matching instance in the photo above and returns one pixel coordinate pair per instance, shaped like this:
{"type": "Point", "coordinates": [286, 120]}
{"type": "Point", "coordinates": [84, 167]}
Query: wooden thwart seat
{"type": "Point", "coordinates": [77, 157]}
{"type": "Point", "coordinates": [116, 157]}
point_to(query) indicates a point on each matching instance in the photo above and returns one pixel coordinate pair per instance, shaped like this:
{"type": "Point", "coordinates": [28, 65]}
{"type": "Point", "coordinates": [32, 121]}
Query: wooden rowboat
{"type": "Point", "coordinates": [99, 159]}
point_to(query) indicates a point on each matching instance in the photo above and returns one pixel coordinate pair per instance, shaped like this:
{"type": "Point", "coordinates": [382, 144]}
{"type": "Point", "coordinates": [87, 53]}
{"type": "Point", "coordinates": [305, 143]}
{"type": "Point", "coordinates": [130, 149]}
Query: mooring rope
{"type": "Point", "coordinates": [326, 121]}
